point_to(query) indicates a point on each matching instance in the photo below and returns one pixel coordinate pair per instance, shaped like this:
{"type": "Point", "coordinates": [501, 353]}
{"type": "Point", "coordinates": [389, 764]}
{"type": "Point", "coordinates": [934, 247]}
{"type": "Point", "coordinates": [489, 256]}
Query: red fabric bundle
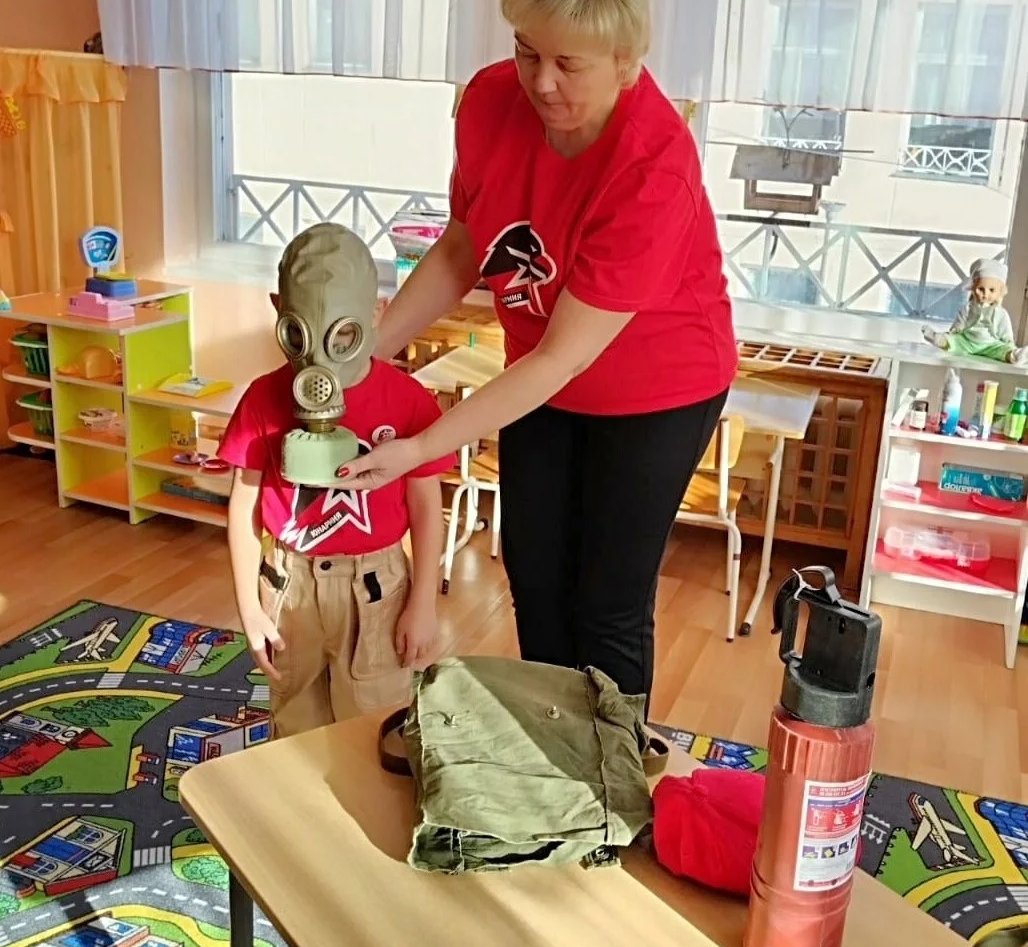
{"type": "Point", "coordinates": [705, 826]}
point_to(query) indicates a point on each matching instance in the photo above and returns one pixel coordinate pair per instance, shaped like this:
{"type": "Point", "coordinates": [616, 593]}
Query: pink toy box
{"type": "Point", "coordinates": [95, 306]}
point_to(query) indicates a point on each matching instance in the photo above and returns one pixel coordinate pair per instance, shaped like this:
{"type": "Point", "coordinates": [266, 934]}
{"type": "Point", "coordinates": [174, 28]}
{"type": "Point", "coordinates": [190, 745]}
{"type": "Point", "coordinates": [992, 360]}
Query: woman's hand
{"type": "Point", "coordinates": [387, 462]}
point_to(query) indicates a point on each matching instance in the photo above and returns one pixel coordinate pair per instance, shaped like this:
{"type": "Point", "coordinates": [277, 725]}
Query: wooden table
{"type": "Point", "coordinates": [317, 833]}
{"type": "Point", "coordinates": [776, 409]}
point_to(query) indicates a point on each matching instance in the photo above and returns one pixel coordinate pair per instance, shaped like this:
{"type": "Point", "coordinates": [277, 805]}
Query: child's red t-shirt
{"type": "Point", "coordinates": [626, 226]}
{"type": "Point", "coordinates": [327, 522]}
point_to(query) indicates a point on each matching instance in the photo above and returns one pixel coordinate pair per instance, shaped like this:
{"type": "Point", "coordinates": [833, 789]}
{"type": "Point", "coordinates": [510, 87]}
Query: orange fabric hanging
{"type": "Point", "coordinates": [60, 171]}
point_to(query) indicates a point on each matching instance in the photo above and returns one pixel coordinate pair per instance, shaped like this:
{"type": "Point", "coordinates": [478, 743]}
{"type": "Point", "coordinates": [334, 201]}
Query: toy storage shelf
{"type": "Point", "coordinates": [163, 459]}
{"type": "Point", "coordinates": [18, 376]}
{"type": "Point", "coordinates": [24, 433]}
{"type": "Point", "coordinates": [175, 505]}
{"type": "Point", "coordinates": [997, 594]}
{"type": "Point", "coordinates": [110, 490]}
{"type": "Point", "coordinates": [953, 506]}
{"type": "Point", "coordinates": [102, 384]}
{"type": "Point", "coordinates": [996, 444]}
{"type": "Point", "coordinates": [101, 439]}
{"type": "Point", "coordinates": [1000, 579]}
{"type": "Point", "coordinates": [119, 471]}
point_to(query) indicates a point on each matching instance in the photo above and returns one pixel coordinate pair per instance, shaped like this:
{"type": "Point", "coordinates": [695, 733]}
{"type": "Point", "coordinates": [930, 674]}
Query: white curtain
{"type": "Point", "coordinates": [964, 58]}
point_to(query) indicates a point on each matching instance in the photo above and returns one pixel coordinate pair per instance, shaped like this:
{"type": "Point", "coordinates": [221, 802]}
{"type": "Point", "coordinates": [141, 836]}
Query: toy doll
{"type": "Point", "coordinates": [982, 326]}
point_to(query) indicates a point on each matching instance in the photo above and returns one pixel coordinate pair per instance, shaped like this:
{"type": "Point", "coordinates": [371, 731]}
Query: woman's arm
{"type": "Point", "coordinates": [443, 277]}
{"type": "Point", "coordinates": [575, 336]}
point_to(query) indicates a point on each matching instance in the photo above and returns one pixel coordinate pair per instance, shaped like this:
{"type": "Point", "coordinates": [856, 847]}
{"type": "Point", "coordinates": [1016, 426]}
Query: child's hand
{"type": "Point", "coordinates": [263, 638]}
{"type": "Point", "coordinates": [416, 633]}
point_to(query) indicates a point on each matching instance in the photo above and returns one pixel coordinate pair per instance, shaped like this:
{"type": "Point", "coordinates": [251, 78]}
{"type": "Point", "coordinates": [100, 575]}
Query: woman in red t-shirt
{"type": "Point", "coordinates": [577, 196]}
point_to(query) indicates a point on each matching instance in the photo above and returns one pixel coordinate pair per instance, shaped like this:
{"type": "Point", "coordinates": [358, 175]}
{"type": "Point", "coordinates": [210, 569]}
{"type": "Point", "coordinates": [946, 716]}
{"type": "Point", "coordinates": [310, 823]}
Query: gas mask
{"type": "Point", "coordinates": [328, 290]}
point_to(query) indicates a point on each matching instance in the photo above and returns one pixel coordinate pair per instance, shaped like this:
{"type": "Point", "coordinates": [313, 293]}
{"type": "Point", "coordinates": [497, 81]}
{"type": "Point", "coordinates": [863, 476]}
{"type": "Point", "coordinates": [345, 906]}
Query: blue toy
{"type": "Point", "coordinates": [5, 303]}
{"type": "Point", "coordinates": [101, 248]}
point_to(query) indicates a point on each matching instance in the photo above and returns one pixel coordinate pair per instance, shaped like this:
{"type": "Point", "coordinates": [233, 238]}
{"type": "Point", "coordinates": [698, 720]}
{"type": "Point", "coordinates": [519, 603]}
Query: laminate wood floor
{"type": "Point", "coordinates": [947, 710]}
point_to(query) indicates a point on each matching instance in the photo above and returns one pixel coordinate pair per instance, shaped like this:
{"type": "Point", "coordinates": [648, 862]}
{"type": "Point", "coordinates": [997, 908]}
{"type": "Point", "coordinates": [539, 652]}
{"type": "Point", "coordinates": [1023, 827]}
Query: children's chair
{"type": "Point", "coordinates": [478, 472]}
{"type": "Point", "coordinates": [712, 498]}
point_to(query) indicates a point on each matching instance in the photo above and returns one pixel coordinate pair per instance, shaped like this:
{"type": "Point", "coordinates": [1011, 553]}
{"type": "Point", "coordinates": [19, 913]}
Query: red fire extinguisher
{"type": "Point", "coordinates": [818, 770]}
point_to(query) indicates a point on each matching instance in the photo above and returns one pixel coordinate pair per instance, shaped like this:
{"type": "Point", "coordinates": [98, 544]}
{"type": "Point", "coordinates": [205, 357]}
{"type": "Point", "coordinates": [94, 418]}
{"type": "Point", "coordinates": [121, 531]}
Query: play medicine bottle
{"type": "Point", "coordinates": [1013, 423]}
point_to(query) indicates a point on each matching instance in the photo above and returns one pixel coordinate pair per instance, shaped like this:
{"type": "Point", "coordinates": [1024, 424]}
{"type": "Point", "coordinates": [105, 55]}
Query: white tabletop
{"type": "Point", "coordinates": [462, 365]}
{"type": "Point", "coordinates": [767, 406]}
{"type": "Point", "coordinates": [772, 407]}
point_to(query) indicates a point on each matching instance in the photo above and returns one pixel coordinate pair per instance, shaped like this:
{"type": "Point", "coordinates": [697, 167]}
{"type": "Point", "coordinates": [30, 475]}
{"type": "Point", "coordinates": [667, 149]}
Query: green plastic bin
{"type": "Point", "coordinates": [40, 411]}
{"type": "Point", "coordinates": [34, 353]}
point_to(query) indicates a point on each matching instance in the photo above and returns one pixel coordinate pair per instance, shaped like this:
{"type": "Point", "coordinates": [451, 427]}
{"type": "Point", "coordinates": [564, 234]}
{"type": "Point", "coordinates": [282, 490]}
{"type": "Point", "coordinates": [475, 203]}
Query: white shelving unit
{"type": "Point", "coordinates": [996, 596]}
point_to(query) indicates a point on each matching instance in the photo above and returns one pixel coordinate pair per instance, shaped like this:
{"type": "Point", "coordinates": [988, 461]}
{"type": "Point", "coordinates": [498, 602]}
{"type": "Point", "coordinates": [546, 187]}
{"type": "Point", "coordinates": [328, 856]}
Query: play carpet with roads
{"type": "Point", "coordinates": [102, 710]}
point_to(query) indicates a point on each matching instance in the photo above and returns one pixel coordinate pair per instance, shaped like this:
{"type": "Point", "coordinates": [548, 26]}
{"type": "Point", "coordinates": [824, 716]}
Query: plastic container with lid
{"type": "Point", "coordinates": [965, 550]}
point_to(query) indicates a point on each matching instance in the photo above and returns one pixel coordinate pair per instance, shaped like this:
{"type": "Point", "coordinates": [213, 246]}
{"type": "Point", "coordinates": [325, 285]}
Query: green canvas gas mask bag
{"type": "Point", "coordinates": [521, 763]}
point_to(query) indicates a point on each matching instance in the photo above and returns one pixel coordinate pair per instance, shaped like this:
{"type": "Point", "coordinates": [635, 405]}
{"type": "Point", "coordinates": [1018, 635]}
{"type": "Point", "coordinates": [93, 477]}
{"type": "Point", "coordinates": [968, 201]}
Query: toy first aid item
{"type": "Point", "coordinates": [959, 549]}
{"type": "Point", "coordinates": [955, 478]}
{"type": "Point", "coordinates": [985, 408]}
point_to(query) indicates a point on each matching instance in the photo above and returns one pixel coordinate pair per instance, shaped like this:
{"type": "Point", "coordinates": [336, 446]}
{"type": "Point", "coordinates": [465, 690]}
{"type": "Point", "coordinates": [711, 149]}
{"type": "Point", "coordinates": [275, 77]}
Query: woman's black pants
{"type": "Point", "coordinates": [588, 503]}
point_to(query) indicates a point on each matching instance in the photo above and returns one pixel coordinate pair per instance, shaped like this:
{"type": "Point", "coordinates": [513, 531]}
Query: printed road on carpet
{"type": "Point", "coordinates": [102, 709]}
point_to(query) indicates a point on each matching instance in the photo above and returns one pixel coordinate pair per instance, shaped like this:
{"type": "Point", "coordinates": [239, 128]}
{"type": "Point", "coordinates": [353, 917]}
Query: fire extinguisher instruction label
{"type": "Point", "coordinates": [830, 835]}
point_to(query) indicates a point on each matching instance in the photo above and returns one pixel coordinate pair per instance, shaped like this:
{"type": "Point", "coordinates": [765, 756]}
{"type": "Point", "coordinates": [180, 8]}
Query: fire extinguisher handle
{"type": "Point", "coordinates": [787, 604]}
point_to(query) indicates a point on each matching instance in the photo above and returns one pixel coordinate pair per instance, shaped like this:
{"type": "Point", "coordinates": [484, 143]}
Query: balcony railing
{"type": "Point", "coordinates": [945, 161]}
{"type": "Point", "coordinates": [872, 270]}
{"type": "Point", "coordinates": [805, 144]}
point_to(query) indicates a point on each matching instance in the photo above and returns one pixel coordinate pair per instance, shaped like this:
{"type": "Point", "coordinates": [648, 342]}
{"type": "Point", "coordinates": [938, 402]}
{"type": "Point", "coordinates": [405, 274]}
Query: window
{"type": "Point", "coordinates": [341, 36]}
{"type": "Point", "coordinates": [926, 300]}
{"type": "Point", "coordinates": [810, 57]}
{"type": "Point", "coordinates": [957, 147]}
{"type": "Point", "coordinates": [86, 835]}
{"type": "Point", "coordinates": [354, 150]}
{"type": "Point", "coordinates": [783, 285]}
{"type": "Point", "coordinates": [816, 129]}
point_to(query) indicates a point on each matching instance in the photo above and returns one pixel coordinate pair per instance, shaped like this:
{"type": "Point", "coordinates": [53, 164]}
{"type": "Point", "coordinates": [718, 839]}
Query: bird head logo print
{"type": "Point", "coordinates": [517, 267]}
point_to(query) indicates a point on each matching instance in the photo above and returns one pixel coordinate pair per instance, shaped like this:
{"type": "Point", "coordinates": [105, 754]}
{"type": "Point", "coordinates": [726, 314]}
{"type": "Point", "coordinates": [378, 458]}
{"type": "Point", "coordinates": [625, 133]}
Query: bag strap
{"type": "Point", "coordinates": [390, 744]}
{"type": "Point", "coordinates": [394, 760]}
{"type": "Point", "coordinates": [655, 756]}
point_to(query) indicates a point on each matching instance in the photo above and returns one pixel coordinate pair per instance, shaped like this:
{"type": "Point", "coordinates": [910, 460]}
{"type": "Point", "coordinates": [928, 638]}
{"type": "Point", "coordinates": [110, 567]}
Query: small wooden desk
{"type": "Point", "coordinates": [317, 833]}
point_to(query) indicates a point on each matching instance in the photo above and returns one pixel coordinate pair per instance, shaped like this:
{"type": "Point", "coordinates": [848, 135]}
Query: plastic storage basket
{"type": "Point", "coordinates": [34, 353]}
{"type": "Point", "coordinates": [41, 412]}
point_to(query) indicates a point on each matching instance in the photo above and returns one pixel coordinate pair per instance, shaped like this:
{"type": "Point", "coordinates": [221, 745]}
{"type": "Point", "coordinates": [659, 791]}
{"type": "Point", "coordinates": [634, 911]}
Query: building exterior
{"type": "Point", "coordinates": [109, 932]}
{"type": "Point", "coordinates": [77, 854]}
{"type": "Point", "coordinates": [179, 647]}
{"type": "Point", "coordinates": [211, 737]}
{"type": "Point", "coordinates": [29, 743]}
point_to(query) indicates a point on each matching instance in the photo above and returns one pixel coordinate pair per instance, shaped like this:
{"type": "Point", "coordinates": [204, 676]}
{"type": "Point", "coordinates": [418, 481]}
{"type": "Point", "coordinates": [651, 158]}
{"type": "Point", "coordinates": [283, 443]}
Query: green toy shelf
{"type": "Point", "coordinates": [78, 364]}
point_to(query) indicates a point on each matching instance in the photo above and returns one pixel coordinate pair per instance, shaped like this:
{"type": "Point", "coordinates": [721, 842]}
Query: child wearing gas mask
{"type": "Point", "coordinates": [334, 613]}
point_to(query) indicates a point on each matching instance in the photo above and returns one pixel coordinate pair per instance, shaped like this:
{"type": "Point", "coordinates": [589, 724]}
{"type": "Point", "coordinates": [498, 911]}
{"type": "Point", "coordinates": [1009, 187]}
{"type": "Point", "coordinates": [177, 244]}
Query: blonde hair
{"type": "Point", "coordinates": [622, 25]}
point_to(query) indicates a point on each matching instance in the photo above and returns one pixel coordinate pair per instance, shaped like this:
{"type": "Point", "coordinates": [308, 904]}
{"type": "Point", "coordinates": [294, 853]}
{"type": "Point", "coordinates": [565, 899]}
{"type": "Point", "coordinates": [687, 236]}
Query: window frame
{"type": "Point", "coordinates": [219, 257]}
